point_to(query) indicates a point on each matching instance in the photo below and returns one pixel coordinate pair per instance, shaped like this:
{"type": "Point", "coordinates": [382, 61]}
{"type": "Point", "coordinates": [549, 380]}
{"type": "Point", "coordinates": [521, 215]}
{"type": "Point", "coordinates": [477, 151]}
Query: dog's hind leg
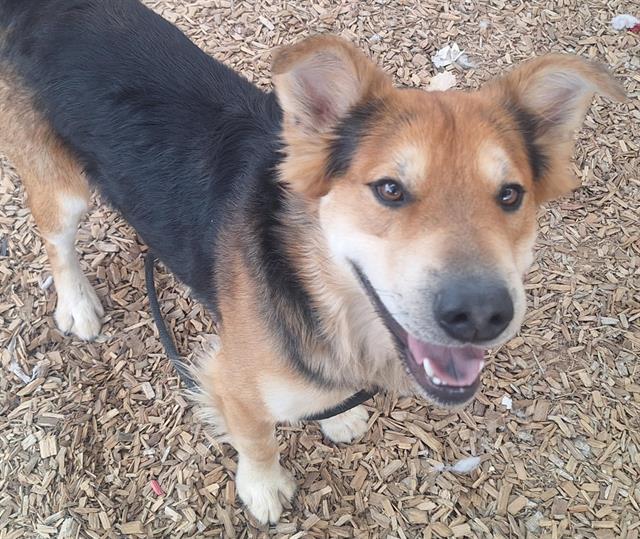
{"type": "Point", "coordinates": [58, 196]}
{"type": "Point", "coordinates": [78, 309]}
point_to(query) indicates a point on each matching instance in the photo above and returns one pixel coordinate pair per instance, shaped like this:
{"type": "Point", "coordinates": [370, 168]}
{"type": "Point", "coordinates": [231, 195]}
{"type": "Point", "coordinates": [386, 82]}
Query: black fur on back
{"type": "Point", "coordinates": [186, 149]}
{"type": "Point", "coordinates": [175, 140]}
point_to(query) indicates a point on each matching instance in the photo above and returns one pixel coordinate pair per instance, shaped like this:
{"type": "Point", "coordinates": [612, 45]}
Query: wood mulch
{"type": "Point", "coordinates": [96, 440]}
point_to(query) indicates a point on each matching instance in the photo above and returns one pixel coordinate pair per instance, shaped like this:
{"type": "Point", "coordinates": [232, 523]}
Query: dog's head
{"type": "Point", "coordinates": [429, 198]}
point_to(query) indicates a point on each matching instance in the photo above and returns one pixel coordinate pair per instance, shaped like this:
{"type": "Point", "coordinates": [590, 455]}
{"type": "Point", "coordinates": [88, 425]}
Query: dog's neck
{"type": "Point", "coordinates": [354, 348]}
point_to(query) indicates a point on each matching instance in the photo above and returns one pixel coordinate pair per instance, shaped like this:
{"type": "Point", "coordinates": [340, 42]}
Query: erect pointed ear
{"type": "Point", "coordinates": [548, 98]}
{"type": "Point", "coordinates": [319, 79]}
{"type": "Point", "coordinates": [319, 82]}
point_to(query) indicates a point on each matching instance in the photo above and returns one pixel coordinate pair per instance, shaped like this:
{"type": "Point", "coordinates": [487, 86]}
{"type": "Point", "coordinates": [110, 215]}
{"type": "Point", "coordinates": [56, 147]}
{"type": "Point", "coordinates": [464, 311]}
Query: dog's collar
{"type": "Point", "coordinates": [346, 405]}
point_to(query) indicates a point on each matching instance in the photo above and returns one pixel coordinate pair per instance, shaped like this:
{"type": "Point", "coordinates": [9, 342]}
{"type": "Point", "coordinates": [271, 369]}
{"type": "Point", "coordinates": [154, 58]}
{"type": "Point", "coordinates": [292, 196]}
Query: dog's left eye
{"type": "Point", "coordinates": [389, 192]}
{"type": "Point", "coordinates": [510, 196]}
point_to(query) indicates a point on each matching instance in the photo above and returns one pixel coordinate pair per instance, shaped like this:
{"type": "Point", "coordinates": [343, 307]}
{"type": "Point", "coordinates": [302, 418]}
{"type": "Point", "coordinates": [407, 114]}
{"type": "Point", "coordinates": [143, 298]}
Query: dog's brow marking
{"type": "Point", "coordinates": [494, 164]}
{"type": "Point", "coordinates": [411, 164]}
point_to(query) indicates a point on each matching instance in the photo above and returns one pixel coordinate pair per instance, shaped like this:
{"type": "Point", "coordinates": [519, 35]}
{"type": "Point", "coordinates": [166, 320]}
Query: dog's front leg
{"type": "Point", "coordinates": [260, 479]}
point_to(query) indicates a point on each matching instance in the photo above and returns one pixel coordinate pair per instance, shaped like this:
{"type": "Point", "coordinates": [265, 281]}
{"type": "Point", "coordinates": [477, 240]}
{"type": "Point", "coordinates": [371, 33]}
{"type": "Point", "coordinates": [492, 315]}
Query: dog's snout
{"type": "Point", "coordinates": [473, 310]}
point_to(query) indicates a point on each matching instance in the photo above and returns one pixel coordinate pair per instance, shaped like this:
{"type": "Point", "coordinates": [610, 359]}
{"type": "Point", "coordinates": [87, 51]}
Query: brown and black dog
{"type": "Point", "coordinates": [344, 233]}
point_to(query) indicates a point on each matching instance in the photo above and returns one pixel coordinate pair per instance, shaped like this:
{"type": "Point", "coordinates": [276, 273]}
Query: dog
{"type": "Point", "coordinates": [343, 233]}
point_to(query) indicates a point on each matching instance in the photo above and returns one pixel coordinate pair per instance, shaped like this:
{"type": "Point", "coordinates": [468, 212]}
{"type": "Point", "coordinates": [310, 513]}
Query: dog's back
{"type": "Point", "coordinates": [163, 129]}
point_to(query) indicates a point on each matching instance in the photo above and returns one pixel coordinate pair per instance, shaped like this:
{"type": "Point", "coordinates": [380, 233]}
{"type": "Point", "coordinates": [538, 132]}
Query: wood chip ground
{"type": "Point", "coordinates": [96, 441]}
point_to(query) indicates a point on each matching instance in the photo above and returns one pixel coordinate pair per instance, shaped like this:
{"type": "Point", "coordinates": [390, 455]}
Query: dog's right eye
{"type": "Point", "coordinates": [389, 192]}
{"type": "Point", "coordinates": [510, 196]}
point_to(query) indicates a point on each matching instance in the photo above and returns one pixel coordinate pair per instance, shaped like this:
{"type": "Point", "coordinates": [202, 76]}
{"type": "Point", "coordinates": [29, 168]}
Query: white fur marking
{"type": "Point", "coordinates": [495, 165]}
{"type": "Point", "coordinates": [78, 309]}
{"type": "Point", "coordinates": [288, 403]}
{"type": "Point", "coordinates": [260, 488]}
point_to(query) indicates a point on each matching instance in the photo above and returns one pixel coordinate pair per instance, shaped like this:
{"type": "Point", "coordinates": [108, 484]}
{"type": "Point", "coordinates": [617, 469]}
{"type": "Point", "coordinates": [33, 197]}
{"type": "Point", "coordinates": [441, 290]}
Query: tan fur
{"type": "Point", "coordinates": [366, 353]}
{"type": "Point", "coordinates": [353, 78]}
{"type": "Point", "coordinates": [447, 147]}
{"type": "Point", "coordinates": [247, 352]}
{"type": "Point", "coordinates": [48, 171]}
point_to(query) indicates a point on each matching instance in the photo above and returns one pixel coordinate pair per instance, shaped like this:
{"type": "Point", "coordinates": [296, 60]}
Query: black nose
{"type": "Point", "coordinates": [473, 310]}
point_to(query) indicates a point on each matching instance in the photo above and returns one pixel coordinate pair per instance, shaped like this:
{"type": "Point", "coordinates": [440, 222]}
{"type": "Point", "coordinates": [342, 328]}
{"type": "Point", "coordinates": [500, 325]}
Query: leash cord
{"type": "Point", "coordinates": [180, 367]}
{"type": "Point", "coordinates": [165, 338]}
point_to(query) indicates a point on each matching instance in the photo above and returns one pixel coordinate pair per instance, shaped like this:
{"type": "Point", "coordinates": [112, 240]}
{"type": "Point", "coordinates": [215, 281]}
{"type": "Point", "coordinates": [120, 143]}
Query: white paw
{"type": "Point", "coordinates": [78, 310]}
{"type": "Point", "coordinates": [260, 490]}
{"type": "Point", "coordinates": [347, 426]}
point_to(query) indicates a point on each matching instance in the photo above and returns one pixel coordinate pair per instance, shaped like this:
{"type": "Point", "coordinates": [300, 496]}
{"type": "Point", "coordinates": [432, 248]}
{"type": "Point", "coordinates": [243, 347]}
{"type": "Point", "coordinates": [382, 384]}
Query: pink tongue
{"type": "Point", "coordinates": [454, 366]}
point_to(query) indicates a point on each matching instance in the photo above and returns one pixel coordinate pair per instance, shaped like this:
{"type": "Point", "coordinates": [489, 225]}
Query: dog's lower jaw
{"type": "Point", "coordinates": [261, 485]}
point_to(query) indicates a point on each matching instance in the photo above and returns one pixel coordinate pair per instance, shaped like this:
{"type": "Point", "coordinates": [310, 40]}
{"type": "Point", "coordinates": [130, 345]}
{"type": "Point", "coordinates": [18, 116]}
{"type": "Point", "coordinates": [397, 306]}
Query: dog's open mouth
{"type": "Point", "coordinates": [450, 375]}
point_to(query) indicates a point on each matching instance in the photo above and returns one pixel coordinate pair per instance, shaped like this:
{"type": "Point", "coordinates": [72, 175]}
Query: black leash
{"type": "Point", "coordinates": [178, 363]}
{"type": "Point", "coordinates": [165, 338]}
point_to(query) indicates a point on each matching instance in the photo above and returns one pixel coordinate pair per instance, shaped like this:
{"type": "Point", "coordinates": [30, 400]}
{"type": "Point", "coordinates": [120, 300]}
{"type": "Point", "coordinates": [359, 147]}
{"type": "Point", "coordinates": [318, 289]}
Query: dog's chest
{"type": "Point", "coordinates": [290, 401]}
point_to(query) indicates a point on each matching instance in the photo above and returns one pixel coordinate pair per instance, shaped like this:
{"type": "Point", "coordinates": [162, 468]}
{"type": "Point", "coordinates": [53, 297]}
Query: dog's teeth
{"type": "Point", "coordinates": [426, 365]}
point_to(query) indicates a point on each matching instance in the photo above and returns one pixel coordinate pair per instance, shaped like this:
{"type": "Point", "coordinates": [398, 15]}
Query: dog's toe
{"type": "Point", "coordinates": [346, 427]}
{"type": "Point", "coordinates": [261, 491]}
{"type": "Point", "coordinates": [79, 310]}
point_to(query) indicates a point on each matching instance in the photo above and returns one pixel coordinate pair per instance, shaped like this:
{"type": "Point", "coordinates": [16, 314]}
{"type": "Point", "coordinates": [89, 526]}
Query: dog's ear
{"type": "Point", "coordinates": [548, 98]}
{"type": "Point", "coordinates": [319, 81]}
